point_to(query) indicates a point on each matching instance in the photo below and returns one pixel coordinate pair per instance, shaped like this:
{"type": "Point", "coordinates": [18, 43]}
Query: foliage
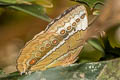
{"type": "Point", "coordinates": [91, 3]}
{"type": "Point", "coordinates": [27, 7]}
{"type": "Point", "coordinates": [112, 37]}
{"type": "Point", "coordinates": [96, 49]}
{"type": "Point", "coordinates": [106, 70]}
{"type": "Point", "coordinates": [35, 10]}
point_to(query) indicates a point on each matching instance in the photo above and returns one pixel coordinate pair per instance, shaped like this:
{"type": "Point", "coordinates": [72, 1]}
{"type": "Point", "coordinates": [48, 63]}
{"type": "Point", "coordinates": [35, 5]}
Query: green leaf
{"type": "Point", "coordinates": [8, 1]}
{"type": "Point", "coordinates": [105, 70]}
{"type": "Point", "coordinates": [16, 1]}
{"type": "Point", "coordinates": [113, 38]}
{"type": "Point", "coordinates": [44, 3]}
{"type": "Point", "coordinates": [73, 72]}
{"type": "Point", "coordinates": [90, 54]}
{"type": "Point", "coordinates": [1, 71]}
{"type": "Point", "coordinates": [111, 71]}
{"type": "Point", "coordinates": [91, 3]}
{"type": "Point", "coordinates": [35, 10]}
{"type": "Point", "coordinates": [96, 44]}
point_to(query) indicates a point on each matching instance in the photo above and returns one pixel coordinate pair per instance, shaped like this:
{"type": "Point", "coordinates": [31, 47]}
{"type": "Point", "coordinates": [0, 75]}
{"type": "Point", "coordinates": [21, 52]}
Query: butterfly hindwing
{"type": "Point", "coordinates": [59, 44]}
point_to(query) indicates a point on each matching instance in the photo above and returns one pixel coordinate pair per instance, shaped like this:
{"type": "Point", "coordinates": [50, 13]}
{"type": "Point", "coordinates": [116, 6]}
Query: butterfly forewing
{"type": "Point", "coordinates": [58, 45]}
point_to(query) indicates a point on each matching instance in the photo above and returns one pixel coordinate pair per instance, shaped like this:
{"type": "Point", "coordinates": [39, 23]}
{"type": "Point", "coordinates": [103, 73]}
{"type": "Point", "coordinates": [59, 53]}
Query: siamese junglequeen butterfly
{"type": "Point", "coordinates": [58, 45]}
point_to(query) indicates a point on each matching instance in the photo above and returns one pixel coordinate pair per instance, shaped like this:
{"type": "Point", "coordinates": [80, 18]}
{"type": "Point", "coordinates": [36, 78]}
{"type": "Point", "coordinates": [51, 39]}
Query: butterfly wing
{"type": "Point", "coordinates": [33, 51]}
{"type": "Point", "coordinates": [55, 45]}
{"type": "Point", "coordinates": [71, 40]}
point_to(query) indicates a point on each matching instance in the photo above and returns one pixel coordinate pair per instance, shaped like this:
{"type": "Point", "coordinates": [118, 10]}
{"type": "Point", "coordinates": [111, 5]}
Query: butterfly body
{"type": "Point", "coordinates": [58, 45]}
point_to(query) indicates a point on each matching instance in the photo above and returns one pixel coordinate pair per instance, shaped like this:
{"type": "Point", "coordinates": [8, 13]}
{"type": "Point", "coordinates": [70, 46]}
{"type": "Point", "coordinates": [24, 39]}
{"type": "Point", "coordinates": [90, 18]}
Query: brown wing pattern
{"type": "Point", "coordinates": [59, 44]}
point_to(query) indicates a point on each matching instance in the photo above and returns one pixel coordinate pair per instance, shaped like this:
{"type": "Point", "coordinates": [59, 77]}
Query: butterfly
{"type": "Point", "coordinates": [58, 45]}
